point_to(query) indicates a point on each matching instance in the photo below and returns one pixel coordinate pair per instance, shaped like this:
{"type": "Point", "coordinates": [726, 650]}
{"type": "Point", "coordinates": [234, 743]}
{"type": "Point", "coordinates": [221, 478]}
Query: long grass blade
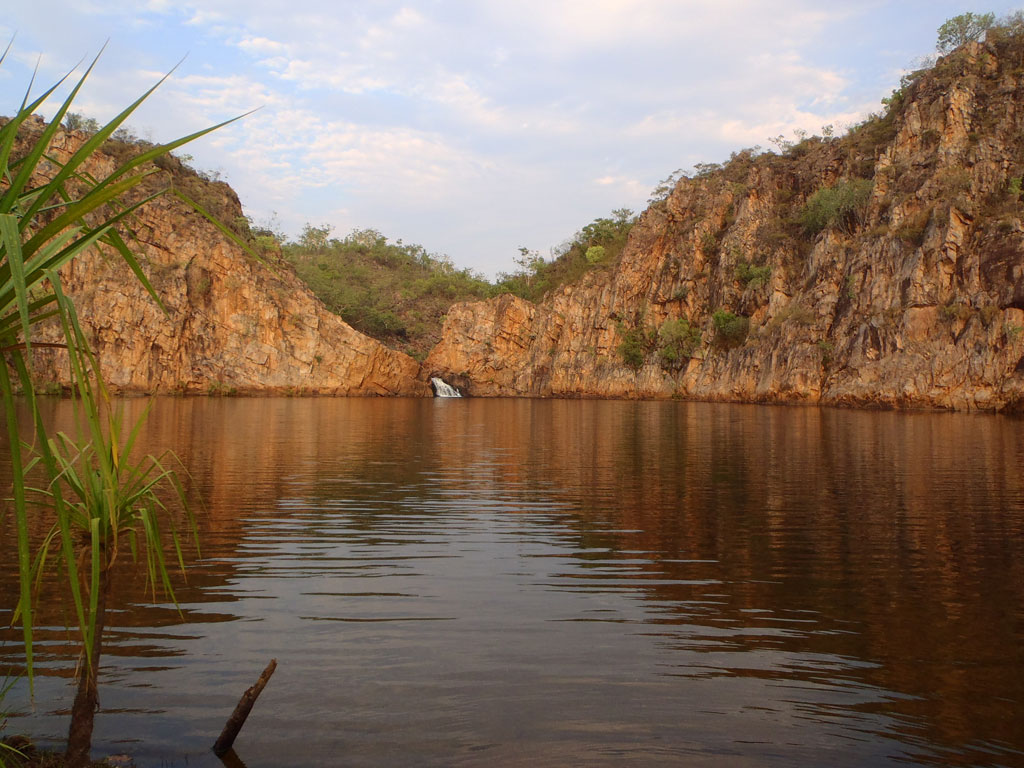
{"type": "Point", "coordinates": [115, 239]}
{"type": "Point", "coordinates": [31, 277]}
{"type": "Point", "coordinates": [62, 512]}
{"type": "Point", "coordinates": [96, 562]}
{"type": "Point", "coordinates": [3, 56]}
{"type": "Point", "coordinates": [140, 422]}
{"type": "Point", "coordinates": [29, 163]}
{"type": "Point", "coordinates": [79, 209]}
{"type": "Point", "coordinates": [163, 149]}
{"type": "Point", "coordinates": [219, 225]}
{"type": "Point", "coordinates": [20, 516]}
{"type": "Point", "coordinates": [12, 249]}
{"type": "Point", "coordinates": [66, 245]}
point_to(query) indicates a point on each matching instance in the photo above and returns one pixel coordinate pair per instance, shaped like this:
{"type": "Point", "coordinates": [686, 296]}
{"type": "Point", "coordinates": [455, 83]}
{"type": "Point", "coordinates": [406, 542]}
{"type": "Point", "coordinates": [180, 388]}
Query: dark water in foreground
{"type": "Point", "coordinates": [514, 582]}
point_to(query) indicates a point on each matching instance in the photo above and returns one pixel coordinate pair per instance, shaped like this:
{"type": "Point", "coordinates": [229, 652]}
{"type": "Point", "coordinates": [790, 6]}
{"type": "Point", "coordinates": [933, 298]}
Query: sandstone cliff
{"type": "Point", "coordinates": [232, 322]}
{"type": "Point", "coordinates": [912, 296]}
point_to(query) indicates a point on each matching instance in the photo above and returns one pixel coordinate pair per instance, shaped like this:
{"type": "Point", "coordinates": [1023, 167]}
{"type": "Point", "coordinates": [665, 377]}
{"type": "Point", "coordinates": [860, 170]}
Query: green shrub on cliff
{"type": "Point", "coordinates": [841, 206]}
{"type": "Point", "coordinates": [636, 343]}
{"type": "Point", "coordinates": [753, 276]}
{"type": "Point", "coordinates": [76, 121]}
{"type": "Point", "coordinates": [399, 293]}
{"type": "Point", "coordinates": [677, 341]}
{"type": "Point", "coordinates": [730, 330]}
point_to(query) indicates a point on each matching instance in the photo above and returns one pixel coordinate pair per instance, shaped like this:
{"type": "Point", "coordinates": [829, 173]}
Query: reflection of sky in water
{"type": "Point", "coordinates": [506, 582]}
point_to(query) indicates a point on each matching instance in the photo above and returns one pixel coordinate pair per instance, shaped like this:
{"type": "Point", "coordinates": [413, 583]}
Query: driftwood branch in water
{"type": "Point", "coordinates": [231, 760]}
{"type": "Point", "coordinates": [237, 720]}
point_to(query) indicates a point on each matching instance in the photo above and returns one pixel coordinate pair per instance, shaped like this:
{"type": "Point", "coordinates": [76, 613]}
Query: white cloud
{"type": "Point", "coordinates": [338, 75]}
{"type": "Point", "coordinates": [202, 18]}
{"type": "Point", "coordinates": [454, 92]}
{"type": "Point", "coordinates": [714, 26]}
{"type": "Point", "coordinates": [628, 188]}
{"type": "Point", "coordinates": [474, 127]}
{"type": "Point", "coordinates": [262, 46]}
{"type": "Point", "coordinates": [408, 17]}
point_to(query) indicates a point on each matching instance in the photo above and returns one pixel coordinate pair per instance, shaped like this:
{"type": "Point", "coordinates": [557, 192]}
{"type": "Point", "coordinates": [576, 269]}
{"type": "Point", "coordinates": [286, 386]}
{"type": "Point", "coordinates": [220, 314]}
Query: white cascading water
{"type": "Point", "coordinates": [443, 389]}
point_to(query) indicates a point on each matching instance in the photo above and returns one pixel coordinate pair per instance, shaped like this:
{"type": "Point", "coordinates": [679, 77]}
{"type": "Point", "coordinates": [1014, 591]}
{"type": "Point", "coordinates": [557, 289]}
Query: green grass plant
{"type": "Point", "coordinates": [7, 751]}
{"type": "Point", "coordinates": [96, 495]}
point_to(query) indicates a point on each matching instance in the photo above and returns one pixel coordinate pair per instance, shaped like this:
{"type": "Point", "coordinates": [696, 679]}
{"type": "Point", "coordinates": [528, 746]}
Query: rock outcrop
{"type": "Point", "coordinates": [910, 295]}
{"type": "Point", "coordinates": [230, 322]}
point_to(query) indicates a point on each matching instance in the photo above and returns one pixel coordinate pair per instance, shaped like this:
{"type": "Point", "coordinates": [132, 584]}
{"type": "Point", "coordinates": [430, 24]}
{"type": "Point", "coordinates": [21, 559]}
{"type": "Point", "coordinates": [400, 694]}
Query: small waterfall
{"type": "Point", "coordinates": [443, 389]}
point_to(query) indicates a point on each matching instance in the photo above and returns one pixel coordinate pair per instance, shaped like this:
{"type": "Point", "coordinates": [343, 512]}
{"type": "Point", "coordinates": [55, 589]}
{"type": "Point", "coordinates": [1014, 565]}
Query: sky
{"type": "Point", "coordinates": [470, 127]}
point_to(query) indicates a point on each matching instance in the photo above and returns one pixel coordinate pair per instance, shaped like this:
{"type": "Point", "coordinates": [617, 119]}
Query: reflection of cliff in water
{"type": "Point", "coordinates": [892, 540]}
{"type": "Point", "coordinates": [798, 544]}
{"type": "Point", "coordinates": [243, 457]}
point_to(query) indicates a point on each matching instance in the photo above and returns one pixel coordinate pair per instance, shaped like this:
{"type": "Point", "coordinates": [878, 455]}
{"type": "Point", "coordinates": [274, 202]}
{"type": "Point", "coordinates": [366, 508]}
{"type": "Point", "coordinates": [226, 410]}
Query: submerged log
{"type": "Point", "coordinates": [234, 724]}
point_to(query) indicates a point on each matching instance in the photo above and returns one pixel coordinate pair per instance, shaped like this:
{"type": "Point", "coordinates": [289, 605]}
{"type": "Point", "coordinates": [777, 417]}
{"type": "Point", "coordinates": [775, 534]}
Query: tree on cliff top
{"type": "Point", "coordinates": [965, 28]}
{"type": "Point", "coordinates": [315, 238]}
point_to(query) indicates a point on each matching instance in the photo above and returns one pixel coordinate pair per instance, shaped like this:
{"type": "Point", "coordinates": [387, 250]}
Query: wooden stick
{"type": "Point", "coordinates": [232, 760]}
{"type": "Point", "coordinates": [237, 720]}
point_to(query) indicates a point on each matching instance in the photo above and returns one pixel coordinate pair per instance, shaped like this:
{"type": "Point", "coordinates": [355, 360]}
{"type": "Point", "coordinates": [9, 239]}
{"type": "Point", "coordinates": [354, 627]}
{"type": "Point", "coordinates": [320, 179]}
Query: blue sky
{"type": "Point", "coordinates": [473, 128]}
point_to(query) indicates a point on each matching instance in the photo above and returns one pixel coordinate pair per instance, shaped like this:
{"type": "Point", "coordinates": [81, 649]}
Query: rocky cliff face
{"type": "Point", "coordinates": [232, 322]}
{"type": "Point", "coordinates": [910, 295]}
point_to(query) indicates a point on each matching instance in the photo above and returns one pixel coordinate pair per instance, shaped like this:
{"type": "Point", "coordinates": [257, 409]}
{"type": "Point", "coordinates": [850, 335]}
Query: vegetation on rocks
{"type": "Point", "coordinates": [395, 292]}
{"type": "Point", "coordinates": [674, 342]}
{"type": "Point", "coordinates": [399, 293]}
{"type": "Point", "coordinates": [636, 344]}
{"type": "Point", "coordinates": [965, 28]}
{"type": "Point", "coordinates": [678, 340]}
{"type": "Point", "coordinates": [841, 206]}
{"type": "Point", "coordinates": [753, 276]}
{"type": "Point", "coordinates": [597, 245]}
{"type": "Point", "coordinates": [730, 330]}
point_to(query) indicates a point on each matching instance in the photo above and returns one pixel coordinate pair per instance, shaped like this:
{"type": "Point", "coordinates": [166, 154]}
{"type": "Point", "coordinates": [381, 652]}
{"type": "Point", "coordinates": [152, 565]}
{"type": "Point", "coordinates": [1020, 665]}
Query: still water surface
{"type": "Point", "coordinates": [547, 583]}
